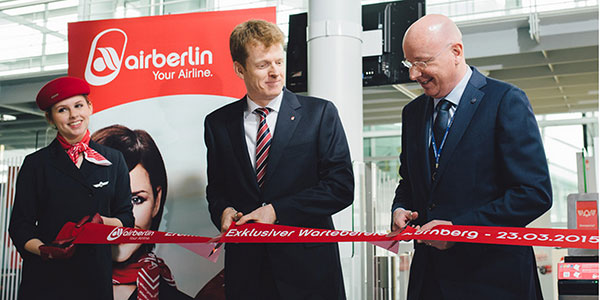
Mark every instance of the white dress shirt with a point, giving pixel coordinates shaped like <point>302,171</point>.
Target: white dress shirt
<point>252,119</point>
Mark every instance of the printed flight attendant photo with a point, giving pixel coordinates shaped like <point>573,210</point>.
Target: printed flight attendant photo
<point>136,266</point>
<point>76,180</point>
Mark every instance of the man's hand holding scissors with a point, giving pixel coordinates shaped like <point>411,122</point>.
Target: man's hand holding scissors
<point>229,216</point>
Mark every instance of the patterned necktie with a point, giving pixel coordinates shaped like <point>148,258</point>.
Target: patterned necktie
<point>83,146</point>
<point>439,130</point>
<point>263,143</point>
<point>441,121</point>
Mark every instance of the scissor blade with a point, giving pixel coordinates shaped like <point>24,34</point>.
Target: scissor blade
<point>215,249</point>
<point>399,230</point>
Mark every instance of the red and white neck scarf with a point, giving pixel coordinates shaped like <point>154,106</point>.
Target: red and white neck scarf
<point>89,154</point>
<point>146,273</point>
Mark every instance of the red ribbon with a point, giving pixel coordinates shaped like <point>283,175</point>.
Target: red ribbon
<point>566,238</point>
<point>267,233</point>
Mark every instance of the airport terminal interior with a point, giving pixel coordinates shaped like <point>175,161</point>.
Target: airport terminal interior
<point>548,48</point>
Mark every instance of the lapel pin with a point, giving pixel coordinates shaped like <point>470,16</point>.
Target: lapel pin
<point>292,118</point>
<point>473,100</point>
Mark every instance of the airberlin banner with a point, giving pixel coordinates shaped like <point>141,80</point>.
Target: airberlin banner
<point>153,81</point>
<point>138,58</point>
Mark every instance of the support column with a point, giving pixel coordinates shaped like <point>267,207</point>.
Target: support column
<point>335,73</point>
<point>335,62</point>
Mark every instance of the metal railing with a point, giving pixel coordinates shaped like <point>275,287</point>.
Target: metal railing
<point>386,272</point>
<point>464,10</point>
<point>11,262</point>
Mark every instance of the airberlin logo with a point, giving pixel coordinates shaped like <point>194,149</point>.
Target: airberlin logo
<point>115,234</point>
<point>107,56</point>
<point>131,233</point>
<point>96,72</point>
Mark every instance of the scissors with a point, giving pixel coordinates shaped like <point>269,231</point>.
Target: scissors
<point>397,232</point>
<point>219,244</point>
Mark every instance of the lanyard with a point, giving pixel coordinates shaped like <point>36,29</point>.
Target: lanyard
<point>437,152</point>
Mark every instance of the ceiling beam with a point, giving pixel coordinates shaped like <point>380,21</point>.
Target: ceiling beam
<point>565,80</point>
<point>536,58</point>
<point>382,120</point>
<point>544,71</point>
<point>22,109</point>
<point>14,5</point>
<point>23,21</point>
<point>388,105</point>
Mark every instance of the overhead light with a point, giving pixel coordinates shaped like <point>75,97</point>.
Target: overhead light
<point>56,67</point>
<point>593,92</point>
<point>5,118</point>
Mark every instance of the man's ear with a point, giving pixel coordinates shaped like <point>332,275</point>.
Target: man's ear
<point>239,69</point>
<point>458,52</point>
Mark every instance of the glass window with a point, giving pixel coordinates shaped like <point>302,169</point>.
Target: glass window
<point>561,144</point>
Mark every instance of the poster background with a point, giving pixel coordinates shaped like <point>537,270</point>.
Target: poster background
<point>172,112</point>
<point>177,125</point>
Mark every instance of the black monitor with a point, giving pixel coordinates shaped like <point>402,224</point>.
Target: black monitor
<point>296,61</point>
<point>383,25</point>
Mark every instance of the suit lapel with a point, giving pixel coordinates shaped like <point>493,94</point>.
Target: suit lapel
<point>61,161</point>
<point>469,102</point>
<point>287,120</point>
<point>235,128</point>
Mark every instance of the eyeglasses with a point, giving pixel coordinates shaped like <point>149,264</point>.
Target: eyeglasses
<point>422,65</point>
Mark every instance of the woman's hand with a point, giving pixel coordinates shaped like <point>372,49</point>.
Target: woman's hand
<point>57,251</point>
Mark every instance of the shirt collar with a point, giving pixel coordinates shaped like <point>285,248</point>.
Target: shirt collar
<point>274,104</point>
<point>458,90</point>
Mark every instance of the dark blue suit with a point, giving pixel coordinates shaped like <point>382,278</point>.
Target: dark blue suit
<point>309,177</point>
<point>492,172</point>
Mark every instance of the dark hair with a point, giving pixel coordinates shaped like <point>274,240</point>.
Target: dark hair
<point>138,147</point>
<point>253,32</point>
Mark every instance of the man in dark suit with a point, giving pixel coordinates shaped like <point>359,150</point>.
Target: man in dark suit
<point>471,155</point>
<point>276,157</point>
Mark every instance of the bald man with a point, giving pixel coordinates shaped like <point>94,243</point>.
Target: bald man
<point>471,155</point>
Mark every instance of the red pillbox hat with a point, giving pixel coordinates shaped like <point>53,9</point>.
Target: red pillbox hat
<point>60,89</point>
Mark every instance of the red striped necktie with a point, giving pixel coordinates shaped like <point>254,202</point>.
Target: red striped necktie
<point>263,143</point>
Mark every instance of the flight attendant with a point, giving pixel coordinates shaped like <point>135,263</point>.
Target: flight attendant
<point>71,180</point>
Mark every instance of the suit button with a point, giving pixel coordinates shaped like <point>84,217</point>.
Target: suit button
<point>90,195</point>
<point>432,206</point>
